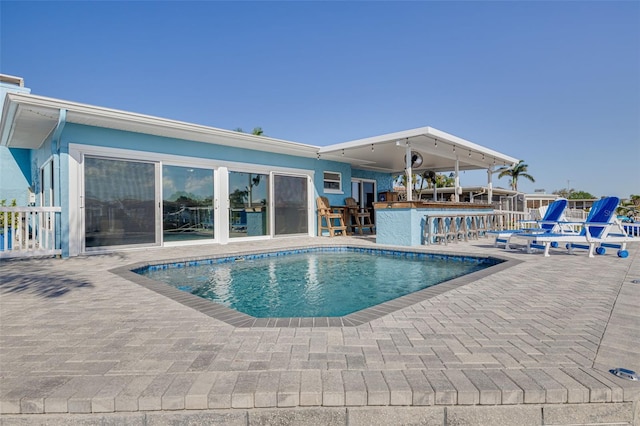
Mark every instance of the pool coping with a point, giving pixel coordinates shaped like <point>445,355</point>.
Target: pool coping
<point>242,320</point>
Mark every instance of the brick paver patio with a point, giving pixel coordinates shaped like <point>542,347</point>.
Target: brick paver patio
<point>529,344</point>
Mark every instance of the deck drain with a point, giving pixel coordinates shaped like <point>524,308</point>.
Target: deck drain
<point>624,373</point>
<point>635,281</point>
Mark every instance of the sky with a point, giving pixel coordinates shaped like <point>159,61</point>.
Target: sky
<point>556,84</point>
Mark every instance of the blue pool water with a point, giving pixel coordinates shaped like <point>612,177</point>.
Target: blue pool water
<point>313,283</point>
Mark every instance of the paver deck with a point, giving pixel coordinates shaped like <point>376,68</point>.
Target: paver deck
<point>529,344</point>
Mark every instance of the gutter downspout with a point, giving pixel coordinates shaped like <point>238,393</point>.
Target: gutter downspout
<point>57,190</point>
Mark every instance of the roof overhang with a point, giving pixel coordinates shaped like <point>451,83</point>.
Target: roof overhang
<point>439,150</point>
<point>28,120</point>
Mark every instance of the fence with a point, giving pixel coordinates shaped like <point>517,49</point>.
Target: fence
<point>29,231</point>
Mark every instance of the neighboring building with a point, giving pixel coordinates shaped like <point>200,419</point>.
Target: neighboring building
<point>120,179</point>
<point>540,199</point>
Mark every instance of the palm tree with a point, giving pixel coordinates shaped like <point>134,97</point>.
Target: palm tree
<point>519,170</point>
<point>257,131</point>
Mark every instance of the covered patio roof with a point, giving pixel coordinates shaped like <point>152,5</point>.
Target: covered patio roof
<point>439,151</point>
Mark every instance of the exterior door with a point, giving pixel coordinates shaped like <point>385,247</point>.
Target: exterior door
<point>364,192</point>
<point>187,203</point>
<point>120,205</point>
<point>291,204</point>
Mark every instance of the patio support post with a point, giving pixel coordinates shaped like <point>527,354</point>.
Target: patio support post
<point>409,171</point>
<point>489,185</point>
<point>457,181</point>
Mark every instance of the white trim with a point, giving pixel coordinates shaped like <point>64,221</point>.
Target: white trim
<point>91,115</point>
<point>76,202</point>
<point>221,204</point>
<point>340,190</point>
<point>310,205</point>
<point>428,132</point>
<point>360,181</point>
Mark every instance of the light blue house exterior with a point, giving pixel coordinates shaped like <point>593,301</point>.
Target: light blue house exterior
<point>100,179</point>
<point>128,180</point>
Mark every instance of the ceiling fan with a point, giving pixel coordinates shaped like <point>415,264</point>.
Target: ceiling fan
<point>416,159</point>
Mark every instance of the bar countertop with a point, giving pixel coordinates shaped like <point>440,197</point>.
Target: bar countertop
<point>443,205</point>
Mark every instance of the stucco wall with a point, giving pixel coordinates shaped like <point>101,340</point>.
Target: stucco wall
<point>15,175</point>
<point>86,135</point>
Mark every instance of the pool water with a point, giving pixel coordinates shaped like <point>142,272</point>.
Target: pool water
<point>313,283</point>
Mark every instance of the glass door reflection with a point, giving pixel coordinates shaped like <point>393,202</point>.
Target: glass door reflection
<point>187,203</point>
<point>248,204</point>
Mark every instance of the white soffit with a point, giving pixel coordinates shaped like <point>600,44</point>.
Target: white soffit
<point>438,149</point>
<point>28,120</point>
<point>34,113</point>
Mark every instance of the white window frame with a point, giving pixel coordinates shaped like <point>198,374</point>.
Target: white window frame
<point>325,180</point>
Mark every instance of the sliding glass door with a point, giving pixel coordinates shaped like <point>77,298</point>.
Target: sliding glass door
<point>128,202</point>
<point>291,206</point>
<point>364,192</point>
<point>187,203</point>
<point>248,204</point>
<point>119,202</point>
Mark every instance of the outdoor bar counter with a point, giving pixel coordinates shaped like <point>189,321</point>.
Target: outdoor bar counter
<point>403,223</point>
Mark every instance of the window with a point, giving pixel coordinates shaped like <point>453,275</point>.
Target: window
<point>332,182</point>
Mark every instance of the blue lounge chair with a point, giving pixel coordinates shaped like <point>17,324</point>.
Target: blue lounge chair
<point>549,223</point>
<point>599,231</point>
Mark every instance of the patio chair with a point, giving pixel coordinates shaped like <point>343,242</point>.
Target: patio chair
<point>360,215</point>
<point>329,218</point>
<point>551,221</point>
<point>599,231</point>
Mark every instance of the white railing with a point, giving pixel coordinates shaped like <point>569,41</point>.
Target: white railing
<point>631,228</point>
<point>575,215</point>
<point>29,231</point>
<point>508,219</point>
<point>453,227</point>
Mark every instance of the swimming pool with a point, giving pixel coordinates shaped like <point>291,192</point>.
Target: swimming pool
<point>314,282</point>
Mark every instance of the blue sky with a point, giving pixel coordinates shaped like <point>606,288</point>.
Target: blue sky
<point>556,84</point>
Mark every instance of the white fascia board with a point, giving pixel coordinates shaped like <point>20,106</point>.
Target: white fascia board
<point>6,121</point>
<point>111,118</point>
<point>429,132</point>
<point>459,142</point>
<point>375,140</point>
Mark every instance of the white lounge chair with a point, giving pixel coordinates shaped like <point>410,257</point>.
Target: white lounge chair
<point>599,231</point>
<point>550,222</point>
